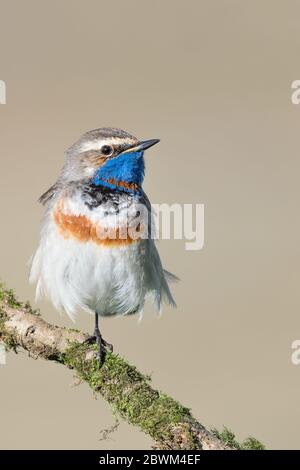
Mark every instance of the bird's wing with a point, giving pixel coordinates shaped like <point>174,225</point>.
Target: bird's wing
<point>49,195</point>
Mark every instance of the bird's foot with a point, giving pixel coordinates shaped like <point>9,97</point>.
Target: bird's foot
<point>90,340</point>
<point>103,345</point>
<point>107,345</point>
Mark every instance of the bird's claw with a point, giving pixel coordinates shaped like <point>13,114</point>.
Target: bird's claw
<point>107,345</point>
<point>90,340</point>
<point>102,345</point>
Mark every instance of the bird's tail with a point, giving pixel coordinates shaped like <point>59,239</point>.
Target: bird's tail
<point>166,291</point>
<point>170,276</point>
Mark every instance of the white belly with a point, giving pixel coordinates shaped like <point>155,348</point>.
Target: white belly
<point>96,278</point>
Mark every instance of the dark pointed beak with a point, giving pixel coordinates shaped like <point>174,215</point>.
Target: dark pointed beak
<point>143,145</point>
<point>146,144</point>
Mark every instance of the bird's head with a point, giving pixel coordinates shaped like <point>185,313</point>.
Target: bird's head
<point>108,157</point>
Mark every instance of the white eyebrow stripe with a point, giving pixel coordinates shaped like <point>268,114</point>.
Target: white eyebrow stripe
<point>97,144</point>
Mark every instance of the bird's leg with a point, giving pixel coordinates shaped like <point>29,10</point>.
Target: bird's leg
<point>97,334</point>
<point>101,343</point>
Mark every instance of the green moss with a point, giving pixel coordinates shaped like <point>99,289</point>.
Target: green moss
<point>228,437</point>
<point>6,338</point>
<point>9,297</point>
<point>252,444</point>
<point>125,388</point>
<point>128,391</point>
<point>33,311</point>
<point>161,413</point>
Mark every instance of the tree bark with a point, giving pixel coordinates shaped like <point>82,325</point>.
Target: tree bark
<point>129,392</point>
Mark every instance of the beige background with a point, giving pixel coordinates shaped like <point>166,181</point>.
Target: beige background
<point>212,79</point>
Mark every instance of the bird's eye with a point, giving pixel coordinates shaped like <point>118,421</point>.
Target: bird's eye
<point>107,150</point>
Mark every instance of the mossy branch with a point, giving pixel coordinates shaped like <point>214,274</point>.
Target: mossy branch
<point>129,392</point>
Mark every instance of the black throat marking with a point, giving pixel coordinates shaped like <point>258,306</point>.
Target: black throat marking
<point>113,202</point>
<point>95,196</point>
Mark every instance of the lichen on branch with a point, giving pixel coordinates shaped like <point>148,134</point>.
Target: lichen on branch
<point>130,394</point>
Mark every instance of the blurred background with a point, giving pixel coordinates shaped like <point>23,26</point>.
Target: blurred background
<point>212,80</point>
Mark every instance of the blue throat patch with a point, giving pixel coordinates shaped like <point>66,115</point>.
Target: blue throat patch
<point>128,168</point>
